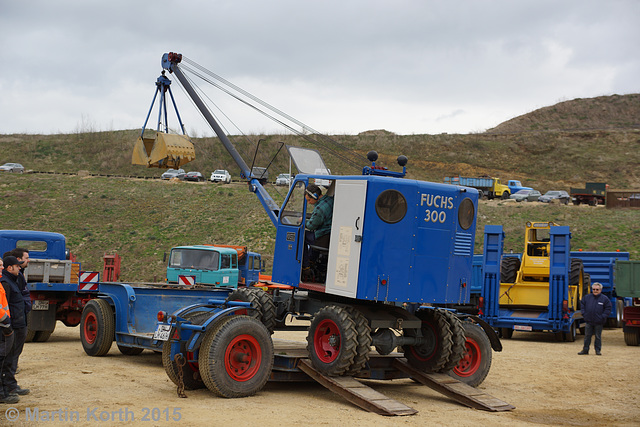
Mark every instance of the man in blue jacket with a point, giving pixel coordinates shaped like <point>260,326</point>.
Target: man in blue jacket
<point>595,311</point>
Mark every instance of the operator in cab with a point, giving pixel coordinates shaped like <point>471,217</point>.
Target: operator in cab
<point>318,226</point>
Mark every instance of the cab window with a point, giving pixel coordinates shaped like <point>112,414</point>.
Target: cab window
<point>292,212</point>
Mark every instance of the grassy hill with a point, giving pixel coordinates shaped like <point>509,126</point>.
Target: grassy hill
<point>141,219</point>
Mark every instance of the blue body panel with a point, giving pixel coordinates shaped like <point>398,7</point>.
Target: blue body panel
<point>136,308</point>
<point>426,257</point>
<point>55,243</point>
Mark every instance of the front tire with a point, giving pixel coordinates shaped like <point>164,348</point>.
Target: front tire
<point>474,366</point>
<point>332,340</point>
<point>236,357</point>
<point>509,269</point>
<point>97,327</point>
<point>632,338</point>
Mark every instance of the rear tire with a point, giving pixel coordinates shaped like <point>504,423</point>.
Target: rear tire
<point>130,351</point>
<point>41,336</point>
<point>475,364</point>
<point>632,337</point>
<point>571,335</point>
<point>458,349</point>
<point>236,357</point>
<point>97,327</point>
<point>619,310</point>
<point>433,354</point>
<point>507,333</point>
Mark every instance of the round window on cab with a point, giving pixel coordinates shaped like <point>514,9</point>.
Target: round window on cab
<point>466,213</point>
<point>391,206</point>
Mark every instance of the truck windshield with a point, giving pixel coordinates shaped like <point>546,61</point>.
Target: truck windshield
<point>194,258</point>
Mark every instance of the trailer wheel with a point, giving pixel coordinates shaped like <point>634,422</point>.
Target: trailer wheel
<point>332,340</point>
<point>130,351</point>
<point>506,333</point>
<point>474,366</point>
<point>30,335</point>
<point>632,337</point>
<point>435,351</point>
<point>619,310</point>
<point>236,357</point>
<point>458,349</point>
<point>41,336</point>
<point>97,327</point>
<point>509,269</point>
<point>190,371</point>
<point>363,349</point>
<point>571,335</point>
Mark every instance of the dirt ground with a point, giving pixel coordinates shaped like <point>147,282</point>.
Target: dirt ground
<point>546,381</point>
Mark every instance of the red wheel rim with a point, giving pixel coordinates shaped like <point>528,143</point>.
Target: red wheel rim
<point>90,328</point>
<point>326,341</point>
<point>470,362</point>
<point>243,357</point>
<point>191,361</point>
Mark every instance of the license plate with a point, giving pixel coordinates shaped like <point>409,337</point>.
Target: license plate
<point>40,305</point>
<point>162,333</point>
<point>522,328</point>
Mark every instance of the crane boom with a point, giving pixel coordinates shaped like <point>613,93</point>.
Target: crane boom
<point>170,62</point>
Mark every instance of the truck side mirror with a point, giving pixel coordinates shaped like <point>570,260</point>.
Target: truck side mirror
<point>164,257</point>
<point>263,266</point>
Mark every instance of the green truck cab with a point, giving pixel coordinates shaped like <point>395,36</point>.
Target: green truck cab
<point>219,265</point>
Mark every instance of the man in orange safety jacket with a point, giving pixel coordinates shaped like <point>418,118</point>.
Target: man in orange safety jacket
<point>6,341</point>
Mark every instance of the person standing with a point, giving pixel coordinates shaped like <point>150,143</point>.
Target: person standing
<point>595,311</point>
<point>10,279</point>
<point>22,255</point>
<point>6,343</point>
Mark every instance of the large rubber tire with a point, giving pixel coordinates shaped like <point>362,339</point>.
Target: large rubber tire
<point>41,336</point>
<point>236,357</point>
<point>505,195</point>
<point>261,301</point>
<point>458,348</point>
<point>190,371</point>
<point>332,340</point>
<point>506,333</point>
<point>509,269</point>
<point>363,349</point>
<point>632,337</point>
<point>130,351</point>
<point>433,354</point>
<point>571,335</point>
<point>619,310</point>
<point>476,362</point>
<point>97,327</point>
<point>30,335</point>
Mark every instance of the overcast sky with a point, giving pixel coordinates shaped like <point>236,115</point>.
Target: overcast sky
<point>407,66</point>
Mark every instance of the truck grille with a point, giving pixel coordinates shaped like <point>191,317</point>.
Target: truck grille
<point>463,245</point>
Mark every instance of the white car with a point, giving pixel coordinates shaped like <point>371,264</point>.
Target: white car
<point>12,167</point>
<point>283,179</point>
<point>220,175</point>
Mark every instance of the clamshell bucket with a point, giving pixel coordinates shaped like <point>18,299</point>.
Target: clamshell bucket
<point>164,151</point>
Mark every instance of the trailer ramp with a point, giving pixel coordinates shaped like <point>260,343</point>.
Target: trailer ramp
<point>357,393</point>
<point>457,390</point>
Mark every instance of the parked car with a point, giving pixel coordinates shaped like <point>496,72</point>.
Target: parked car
<point>525,196</point>
<point>220,175</point>
<point>194,176</point>
<point>174,173</point>
<point>12,167</point>
<point>561,196</point>
<point>283,179</point>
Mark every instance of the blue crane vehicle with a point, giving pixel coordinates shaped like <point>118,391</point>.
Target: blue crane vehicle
<point>400,253</point>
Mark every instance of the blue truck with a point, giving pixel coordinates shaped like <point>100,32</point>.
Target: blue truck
<point>400,252</point>
<point>515,186</point>
<point>56,284</point>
